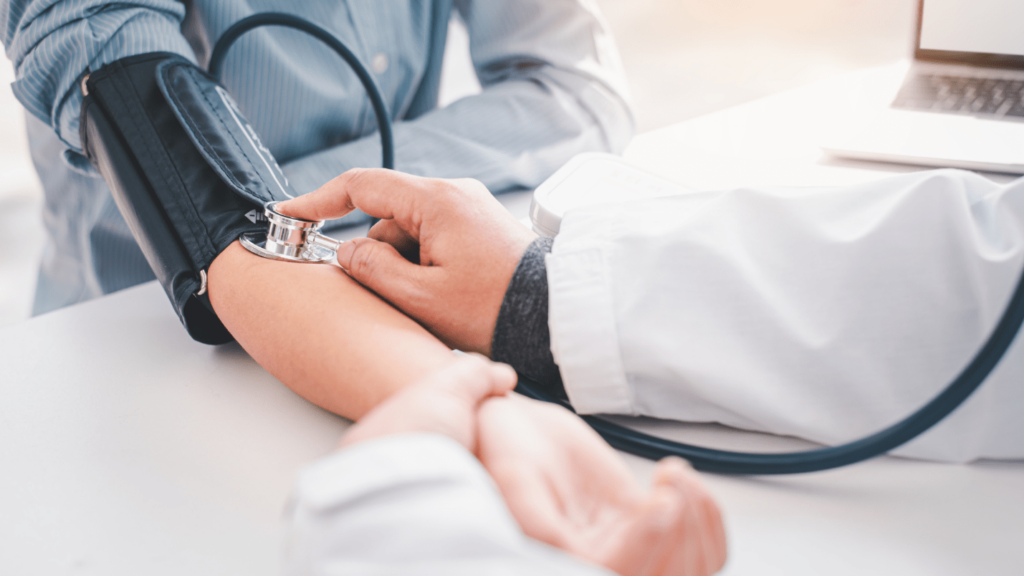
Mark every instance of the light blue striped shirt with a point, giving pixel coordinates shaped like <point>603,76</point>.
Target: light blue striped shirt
<point>552,87</point>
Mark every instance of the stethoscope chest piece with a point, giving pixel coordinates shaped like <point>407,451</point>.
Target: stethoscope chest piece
<point>291,239</point>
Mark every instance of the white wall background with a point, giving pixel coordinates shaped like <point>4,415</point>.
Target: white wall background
<point>683,58</point>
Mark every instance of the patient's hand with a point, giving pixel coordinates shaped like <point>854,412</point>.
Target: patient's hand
<point>561,482</point>
<point>568,488</point>
<point>467,243</point>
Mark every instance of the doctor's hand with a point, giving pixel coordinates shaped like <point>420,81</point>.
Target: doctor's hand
<point>443,252</point>
<point>566,487</point>
<point>445,402</point>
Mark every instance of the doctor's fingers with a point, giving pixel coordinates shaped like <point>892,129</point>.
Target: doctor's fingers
<point>409,287</point>
<point>336,198</point>
<point>390,232</point>
<point>473,379</point>
<point>381,268</point>
<point>408,200</point>
<point>326,202</point>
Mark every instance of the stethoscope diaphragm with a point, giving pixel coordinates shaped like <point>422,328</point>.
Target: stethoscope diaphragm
<point>291,239</point>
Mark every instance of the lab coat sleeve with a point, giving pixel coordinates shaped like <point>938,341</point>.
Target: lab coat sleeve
<point>822,314</point>
<point>553,87</point>
<point>410,505</point>
<point>53,42</point>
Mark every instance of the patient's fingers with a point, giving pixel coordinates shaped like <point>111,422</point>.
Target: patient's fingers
<point>700,536</point>
<point>706,517</point>
<point>646,543</point>
<point>533,505</point>
<point>517,452</point>
<point>671,533</point>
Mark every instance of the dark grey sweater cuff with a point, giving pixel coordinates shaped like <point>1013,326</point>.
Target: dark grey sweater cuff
<point>521,335</point>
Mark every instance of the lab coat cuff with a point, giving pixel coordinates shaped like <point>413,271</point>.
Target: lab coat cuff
<point>584,338</point>
<point>383,464</point>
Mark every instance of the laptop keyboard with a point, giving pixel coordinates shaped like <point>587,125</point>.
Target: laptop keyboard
<point>959,95</point>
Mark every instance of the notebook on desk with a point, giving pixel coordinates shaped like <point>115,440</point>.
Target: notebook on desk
<point>962,102</point>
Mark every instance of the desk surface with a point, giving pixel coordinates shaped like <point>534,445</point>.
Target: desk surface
<point>126,448</point>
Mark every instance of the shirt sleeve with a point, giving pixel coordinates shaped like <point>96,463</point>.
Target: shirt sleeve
<point>826,315</point>
<point>521,336</point>
<point>52,44</point>
<point>552,87</point>
<point>408,505</point>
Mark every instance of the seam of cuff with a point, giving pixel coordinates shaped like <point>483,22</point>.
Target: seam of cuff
<point>584,337</point>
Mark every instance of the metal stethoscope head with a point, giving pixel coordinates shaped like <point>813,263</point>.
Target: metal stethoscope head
<point>291,239</point>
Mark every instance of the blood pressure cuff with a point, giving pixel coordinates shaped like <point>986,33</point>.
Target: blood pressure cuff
<point>186,170</point>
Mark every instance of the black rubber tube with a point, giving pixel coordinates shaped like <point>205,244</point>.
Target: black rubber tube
<point>244,25</point>
<point>726,462</point>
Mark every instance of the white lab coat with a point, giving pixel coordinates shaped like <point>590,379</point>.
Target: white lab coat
<point>411,505</point>
<point>824,314</point>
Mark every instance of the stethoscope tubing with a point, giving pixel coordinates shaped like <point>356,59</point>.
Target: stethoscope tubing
<point>380,109</point>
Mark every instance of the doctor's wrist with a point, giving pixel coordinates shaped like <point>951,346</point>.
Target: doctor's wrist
<point>521,336</point>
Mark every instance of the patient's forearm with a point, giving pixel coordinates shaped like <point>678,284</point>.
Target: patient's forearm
<point>318,331</point>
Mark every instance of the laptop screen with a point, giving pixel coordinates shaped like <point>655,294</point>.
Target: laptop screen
<point>986,32</point>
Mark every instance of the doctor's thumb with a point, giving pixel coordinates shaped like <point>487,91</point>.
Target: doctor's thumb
<point>379,267</point>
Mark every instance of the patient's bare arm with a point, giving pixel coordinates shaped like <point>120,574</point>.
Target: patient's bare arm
<point>318,331</point>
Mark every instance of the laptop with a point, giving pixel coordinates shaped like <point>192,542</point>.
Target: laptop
<point>961,104</point>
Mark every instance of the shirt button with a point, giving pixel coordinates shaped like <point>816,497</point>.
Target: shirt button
<point>380,63</point>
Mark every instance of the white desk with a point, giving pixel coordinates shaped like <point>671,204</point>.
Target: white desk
<point>126,448</point>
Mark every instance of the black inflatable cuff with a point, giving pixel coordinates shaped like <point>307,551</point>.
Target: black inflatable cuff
<point>186,170</point>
